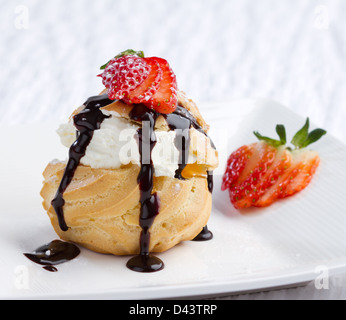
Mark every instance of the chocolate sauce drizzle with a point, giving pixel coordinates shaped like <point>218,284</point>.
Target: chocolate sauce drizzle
<point>53,253</point>
<point>206,234</point>
<point>150,204</point>
<point>89,120</point>
<point>181,124</point>
<point>86,122</point>
<point>210,180</point>
<point>183,120</point>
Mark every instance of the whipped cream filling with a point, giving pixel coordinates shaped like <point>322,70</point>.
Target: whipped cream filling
<point>115,144</point>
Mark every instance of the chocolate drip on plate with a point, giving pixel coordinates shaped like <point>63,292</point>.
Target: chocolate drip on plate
<point>206,234</point>
<point>86,122</point>
<point>53,253</point>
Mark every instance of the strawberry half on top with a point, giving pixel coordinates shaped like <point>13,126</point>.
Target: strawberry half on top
<point>133,78</point>
<point>263,172</point>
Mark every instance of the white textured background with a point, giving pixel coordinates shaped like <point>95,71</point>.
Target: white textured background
<point>292,51</point>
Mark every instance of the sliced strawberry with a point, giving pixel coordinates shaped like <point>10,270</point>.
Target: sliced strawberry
<point>123,75</point>
<point>247,190</point>
<point>235,166</point>
<point>144,92</point>
<point>304,166</point>
<point>259,174</point>
<point>165,98</point>
<point>137,80</point>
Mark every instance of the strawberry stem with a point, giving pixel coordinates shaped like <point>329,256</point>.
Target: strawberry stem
<point>301,139</point>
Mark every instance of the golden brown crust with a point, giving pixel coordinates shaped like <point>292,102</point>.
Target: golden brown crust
<point>102,208</point>
<point>190,105</point>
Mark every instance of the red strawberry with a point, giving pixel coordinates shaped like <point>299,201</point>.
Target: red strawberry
<point>165,98</point>
<point>259,174</point>
<point>134,79</point>
<point>144,92</point>
<point>124,74</point>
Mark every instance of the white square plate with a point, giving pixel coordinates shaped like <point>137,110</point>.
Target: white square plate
<point>287,243</point>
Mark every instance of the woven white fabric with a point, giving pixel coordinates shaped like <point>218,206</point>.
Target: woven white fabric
<point>292,51</point>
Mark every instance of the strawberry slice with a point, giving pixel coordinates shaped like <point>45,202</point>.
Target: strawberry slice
<point>165,98</point>
<point>293,178</point>
<point>124,74</point>
<point>144,92</point>
<point>260,173</point>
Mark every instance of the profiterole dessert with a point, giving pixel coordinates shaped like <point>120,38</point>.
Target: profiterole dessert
<point>138,178</point>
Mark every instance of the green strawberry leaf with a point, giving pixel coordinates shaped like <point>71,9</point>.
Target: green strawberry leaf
<point>130,51</point>
<point>314,136</point>
<point>125,53</point>
<point>281,131</point>
<point>301,136</point>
